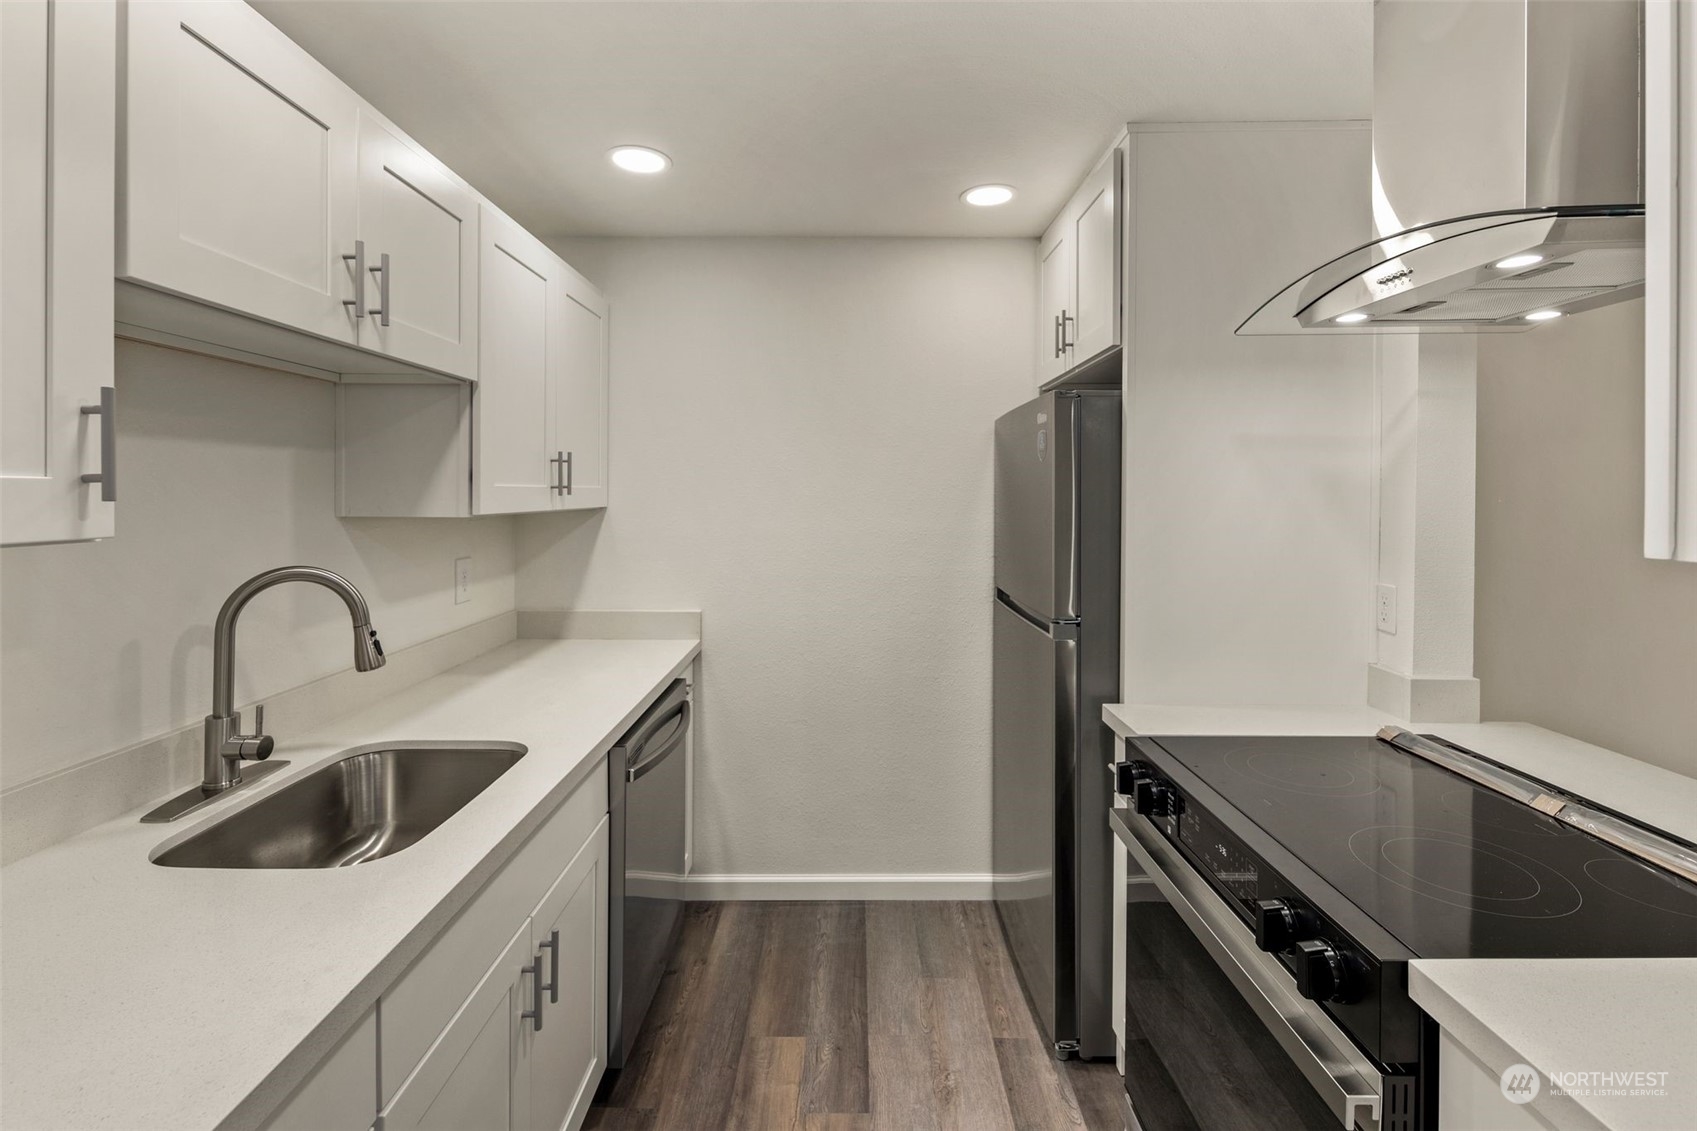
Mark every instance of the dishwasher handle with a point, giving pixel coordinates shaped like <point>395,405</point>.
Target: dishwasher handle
<point>672,740</point>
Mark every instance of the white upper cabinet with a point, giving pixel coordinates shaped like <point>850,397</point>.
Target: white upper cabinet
<point>239,182</point>
<point>1094,220</point>
<point>1080,273</point>
<point>57,70</point>
<point>579,397</point>
<point>417,243</point>
<point>522,359</point>
<point>530,436</point>
<point>1670,284</point>
<point>540,410</point>
<point>1055,253</point>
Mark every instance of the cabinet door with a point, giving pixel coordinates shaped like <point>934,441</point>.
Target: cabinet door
<point>1095,231</point>
<point>1054,305</point>
<point>341,1093</point>
<point>579,397</point>
<point>57,73</point>
<point>240,170</point>
<point>422,307</point>
<point>1670,282</point>
<point>519,355</point>
<point>471,1074</point>
<point>569,1052</point>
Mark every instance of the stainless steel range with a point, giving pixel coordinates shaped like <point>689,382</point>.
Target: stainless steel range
<point>1285,884</point>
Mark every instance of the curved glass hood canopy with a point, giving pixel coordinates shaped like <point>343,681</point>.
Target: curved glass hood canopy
<point>1479,274</point>
<point>1507,173</point>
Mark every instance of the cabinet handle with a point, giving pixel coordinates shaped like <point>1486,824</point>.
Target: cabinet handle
<point>1057,335</point>
<point>1065,318</point>
<point>553,987</point>
<point>568,487</point>
<point>535,1010</point>
<point>557,476</point>
<point>382,273</point>
<point>358,260</point>
<point>108,477</point>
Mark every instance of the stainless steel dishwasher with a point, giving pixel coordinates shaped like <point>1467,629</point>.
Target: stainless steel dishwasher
<point>646,798</point>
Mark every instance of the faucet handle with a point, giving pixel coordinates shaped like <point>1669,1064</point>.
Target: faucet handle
<point>259,719</point>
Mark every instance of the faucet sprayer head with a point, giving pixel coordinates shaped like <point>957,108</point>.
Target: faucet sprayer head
<point>368,650</point>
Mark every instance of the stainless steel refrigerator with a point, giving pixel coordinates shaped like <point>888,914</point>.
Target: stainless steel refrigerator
<point>1056,662</point>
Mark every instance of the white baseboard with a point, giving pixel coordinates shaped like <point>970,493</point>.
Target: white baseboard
<point>968,886</point>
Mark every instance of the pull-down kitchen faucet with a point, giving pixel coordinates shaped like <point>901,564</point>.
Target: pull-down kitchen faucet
<point>225,746</point>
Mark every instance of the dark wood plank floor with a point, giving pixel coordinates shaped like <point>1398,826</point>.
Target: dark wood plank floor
<point>849,1017</point>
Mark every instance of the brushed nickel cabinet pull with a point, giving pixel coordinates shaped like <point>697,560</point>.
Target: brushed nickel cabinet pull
<point>553,987</point>
<point>108,476</point>
<point>382,273</point>
<point>358,260</point>
<point>534,1013</point>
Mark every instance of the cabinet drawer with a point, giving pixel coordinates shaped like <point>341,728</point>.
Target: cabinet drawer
<point>341,1093</point>
<point>426,997</point>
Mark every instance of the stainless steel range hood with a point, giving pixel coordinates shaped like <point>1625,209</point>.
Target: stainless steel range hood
<point>1507,172</point>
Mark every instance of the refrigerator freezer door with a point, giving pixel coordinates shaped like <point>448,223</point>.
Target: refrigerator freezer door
<point>1035,674</point>
<point>1036,507</point>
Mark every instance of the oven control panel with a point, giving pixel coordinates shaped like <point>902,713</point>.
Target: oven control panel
<point>1324,962</point>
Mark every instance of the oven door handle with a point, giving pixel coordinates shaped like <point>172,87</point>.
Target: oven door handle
<point>1329,1060</point>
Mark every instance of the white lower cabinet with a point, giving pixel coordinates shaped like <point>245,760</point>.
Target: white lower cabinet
<point>569,1051</point>
<point>340,1092</point>
<point>1471,1096</point>
<point>469,1077</point>
<point>525,1048</point>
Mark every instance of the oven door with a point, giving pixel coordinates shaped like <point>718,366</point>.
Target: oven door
<point>1216,1039</point>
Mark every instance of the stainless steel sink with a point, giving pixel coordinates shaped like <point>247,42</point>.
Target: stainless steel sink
<point>370,803</point>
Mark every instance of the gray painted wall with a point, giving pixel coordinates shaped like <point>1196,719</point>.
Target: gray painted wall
<point>1576,630</point>
<point>801,449</point>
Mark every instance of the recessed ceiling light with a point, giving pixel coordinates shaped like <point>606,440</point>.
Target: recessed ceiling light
<point>1350,318</point>
<point>988,196</point>
<point>1543,315</point>
<point>1514,261</point>
<point>640,159</point>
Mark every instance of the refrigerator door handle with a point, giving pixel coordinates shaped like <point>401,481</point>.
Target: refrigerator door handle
<point>1057,630</point>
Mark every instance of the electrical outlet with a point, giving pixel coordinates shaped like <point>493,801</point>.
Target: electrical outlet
<point>1384,609</point>
<point>462,580</point>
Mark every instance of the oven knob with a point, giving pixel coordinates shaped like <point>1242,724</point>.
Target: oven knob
<point>1321,974</point>
<point>1275,925</point>
<point>1127,775</point>
<point>1151,798</point>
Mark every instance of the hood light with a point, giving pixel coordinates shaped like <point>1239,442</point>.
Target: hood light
<point>639,159</point>
<point>988,196</point>
<point>1514,261</point>
<point>1543,315</point>
<point>1350,319</point>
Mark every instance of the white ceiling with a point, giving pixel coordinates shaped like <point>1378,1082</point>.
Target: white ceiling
<point>845,118</point>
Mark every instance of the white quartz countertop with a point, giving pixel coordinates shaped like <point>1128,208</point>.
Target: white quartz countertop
<point>1554,1014</point>
<point>141,997</point>
<point>1577,1015</point>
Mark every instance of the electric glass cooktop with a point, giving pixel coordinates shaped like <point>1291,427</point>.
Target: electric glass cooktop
<point>1450,868</point>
